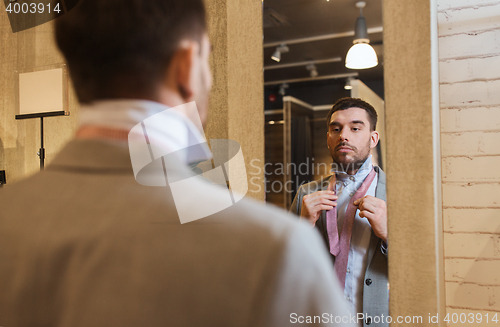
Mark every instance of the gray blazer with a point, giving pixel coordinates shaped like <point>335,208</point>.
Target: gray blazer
<point>83,244</point>
<point>376,287</point>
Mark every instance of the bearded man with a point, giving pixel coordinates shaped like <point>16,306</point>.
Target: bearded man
<point>349,209</point>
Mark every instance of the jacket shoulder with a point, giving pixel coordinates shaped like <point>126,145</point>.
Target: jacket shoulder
<point>381,184</point>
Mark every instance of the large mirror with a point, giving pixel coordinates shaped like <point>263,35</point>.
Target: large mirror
<point>306,46</point>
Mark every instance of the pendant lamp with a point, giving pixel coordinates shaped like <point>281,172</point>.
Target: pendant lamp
<point>361,55</point>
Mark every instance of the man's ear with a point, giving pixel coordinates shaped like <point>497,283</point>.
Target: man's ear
<point>374,139</point>
<point>182,70</point>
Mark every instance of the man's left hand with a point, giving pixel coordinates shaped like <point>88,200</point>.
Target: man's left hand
<point>375,210</point>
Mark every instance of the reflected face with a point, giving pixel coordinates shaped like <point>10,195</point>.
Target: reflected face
<point>350,139</point>
<point>204,79</point>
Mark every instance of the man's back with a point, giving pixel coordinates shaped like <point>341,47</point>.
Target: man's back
<point>83,244</point>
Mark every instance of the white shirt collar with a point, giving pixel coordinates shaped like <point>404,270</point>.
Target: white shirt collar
<point>361,174</point>
<point>169,128</point>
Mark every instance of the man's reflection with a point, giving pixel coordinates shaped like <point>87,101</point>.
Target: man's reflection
<point>349,209</point>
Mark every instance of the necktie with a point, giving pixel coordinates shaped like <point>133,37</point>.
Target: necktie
<point>340,247</point>
<point>331,224</point>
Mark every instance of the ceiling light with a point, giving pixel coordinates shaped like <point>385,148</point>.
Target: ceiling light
<point>283,87</point>
<point>361,55</point>
<point>276,56</point>
<point>279,50</point>
<point>312,70</point>
<point>348,83</point>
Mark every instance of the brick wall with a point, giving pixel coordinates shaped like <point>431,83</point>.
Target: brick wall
<point>469,67</point>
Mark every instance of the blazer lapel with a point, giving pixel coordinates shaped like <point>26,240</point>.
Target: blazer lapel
<point>323,187</point>
<point>380,192</point>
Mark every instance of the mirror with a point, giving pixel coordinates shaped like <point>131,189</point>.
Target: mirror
<point>305,48</point>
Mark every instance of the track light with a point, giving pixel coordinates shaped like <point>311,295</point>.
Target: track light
<point>283,88</point>
<point>361,55</point>
<point>276,56</point>
<point>348,83</point>
<point>312,70</point>
<point>279,50</point>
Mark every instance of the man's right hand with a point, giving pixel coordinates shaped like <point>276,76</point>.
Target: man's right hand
<point>313,203</point>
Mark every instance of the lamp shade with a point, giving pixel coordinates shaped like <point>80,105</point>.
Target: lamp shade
<point>276,56</point>
<point>348,84</point>
<point>361,56</point>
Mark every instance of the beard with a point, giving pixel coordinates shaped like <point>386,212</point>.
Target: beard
<point>351,161</point>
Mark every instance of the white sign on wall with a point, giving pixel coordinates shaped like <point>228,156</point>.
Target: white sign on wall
<point>42,93</point>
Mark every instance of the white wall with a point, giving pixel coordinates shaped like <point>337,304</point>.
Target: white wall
<point>469,55</point>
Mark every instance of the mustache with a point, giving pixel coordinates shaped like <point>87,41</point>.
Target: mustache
<point>345,144</point>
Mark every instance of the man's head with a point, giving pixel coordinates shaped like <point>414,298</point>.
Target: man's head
<point>351,133</point>
<point>139,49</point>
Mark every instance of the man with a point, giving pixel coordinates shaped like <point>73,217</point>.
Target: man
<point>83,244</point>
<point>349,209</point>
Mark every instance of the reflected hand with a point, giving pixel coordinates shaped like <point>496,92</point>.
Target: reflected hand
<point>375,210</point>
<point>313,203</point>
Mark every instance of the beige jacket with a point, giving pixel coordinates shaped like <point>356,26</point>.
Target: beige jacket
<point>83,244</point>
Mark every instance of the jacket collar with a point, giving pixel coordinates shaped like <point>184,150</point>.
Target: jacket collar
<point>93,155</point>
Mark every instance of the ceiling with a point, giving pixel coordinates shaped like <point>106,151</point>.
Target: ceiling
<point>293,19</point>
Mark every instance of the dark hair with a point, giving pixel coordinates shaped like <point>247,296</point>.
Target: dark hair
<point>116,46</point>
<point>346,103</point>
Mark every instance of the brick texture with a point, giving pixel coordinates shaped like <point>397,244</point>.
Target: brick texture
<point>459,220</point>
<point>482,195</point>
<point>458,21</point>
<point>462,70</point>
<point>451,5</point>
<point>473,245</point>
<point>473,271</point>
<point>473,296</point>
<point>469,57</point>
<point>470,144</point>
<point>471,169</point>
<point>475,93</point>
<point>470,119</point>
<point>473,44</point>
